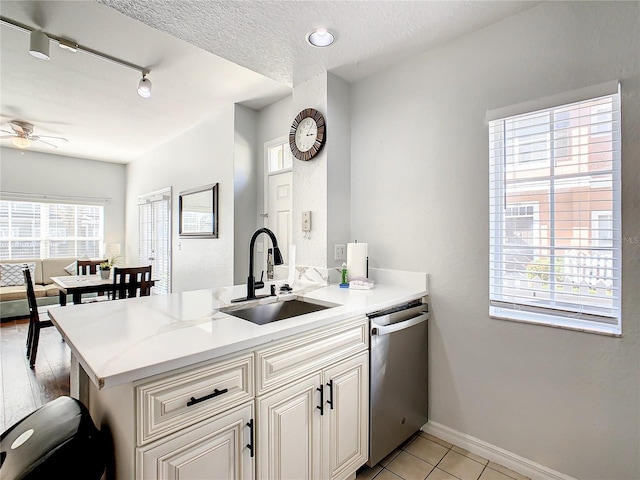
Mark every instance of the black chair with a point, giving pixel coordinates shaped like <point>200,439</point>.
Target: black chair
<point>88,267</point>
<point>35,324</point>
<point>131,282</point>
<point>58,440</point>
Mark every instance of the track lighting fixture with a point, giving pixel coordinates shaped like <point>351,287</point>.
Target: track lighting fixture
<point>39,48</point>
<point>39,45</point>
<point>144,86</point>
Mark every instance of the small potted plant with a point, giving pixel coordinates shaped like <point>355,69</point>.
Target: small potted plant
<point>105,267</point>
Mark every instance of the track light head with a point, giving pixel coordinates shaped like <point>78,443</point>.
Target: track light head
<point>39,45</point>
<point>144,86</point>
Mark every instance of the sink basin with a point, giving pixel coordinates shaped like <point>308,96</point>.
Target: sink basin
<point>272,312</point>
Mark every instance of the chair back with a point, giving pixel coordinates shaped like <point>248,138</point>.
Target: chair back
<point>88,267</point>
<point>31,294</point>
<point>131,282</point>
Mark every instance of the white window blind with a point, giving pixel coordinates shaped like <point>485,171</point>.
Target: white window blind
<point>555,246</point>
<point>154,211</point>
<point>50,230</point>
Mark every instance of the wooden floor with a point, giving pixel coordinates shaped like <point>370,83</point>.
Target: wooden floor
<point>25,389</point>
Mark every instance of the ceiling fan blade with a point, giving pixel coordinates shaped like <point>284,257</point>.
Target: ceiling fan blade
<point>38,139</point>
<point>7,131</point>
<point>18,128</point>
<point>7,136</point>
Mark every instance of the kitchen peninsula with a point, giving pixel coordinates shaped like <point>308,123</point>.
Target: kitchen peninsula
<point>181,386</point>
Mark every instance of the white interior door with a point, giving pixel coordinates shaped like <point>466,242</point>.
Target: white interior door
<point>280,207</point>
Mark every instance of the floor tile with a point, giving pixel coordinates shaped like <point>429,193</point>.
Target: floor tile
<point>426,450</point>
<point>438,474</point>
<point>368,473</point>
<point>460,466</point>
<point>410,467</point>
<point>491,474</point>
<point>472,456</point>
<point>387,475</point>
<point>507,471</point>
<point>436,440</point>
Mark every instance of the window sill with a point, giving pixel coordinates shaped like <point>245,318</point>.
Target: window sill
<point>499,313</point>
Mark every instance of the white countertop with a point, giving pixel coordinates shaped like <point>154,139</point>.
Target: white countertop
<point>127,340</point>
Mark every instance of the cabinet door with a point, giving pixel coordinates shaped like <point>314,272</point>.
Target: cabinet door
<point>289,432</point>
<point>346,419</point>
<point>215,448</point>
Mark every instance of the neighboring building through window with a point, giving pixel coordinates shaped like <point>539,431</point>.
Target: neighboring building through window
<point>555,245</point>
<point>50,230</point>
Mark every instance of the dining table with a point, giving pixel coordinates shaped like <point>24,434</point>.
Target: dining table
<point>77,285</point>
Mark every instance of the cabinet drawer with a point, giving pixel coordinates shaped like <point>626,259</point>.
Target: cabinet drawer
<point>172,402</point>
<point>293,358</point>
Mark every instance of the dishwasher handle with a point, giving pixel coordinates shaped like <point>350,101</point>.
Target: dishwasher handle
<point>395,327</point>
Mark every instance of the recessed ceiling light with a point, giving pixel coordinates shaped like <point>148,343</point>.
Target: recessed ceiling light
<point>320,38</point>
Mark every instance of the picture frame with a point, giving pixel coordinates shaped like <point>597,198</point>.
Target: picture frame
<point>198,212</point>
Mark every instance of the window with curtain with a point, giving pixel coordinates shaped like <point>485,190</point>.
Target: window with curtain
<point>50,230</point>
<point>555,237</point>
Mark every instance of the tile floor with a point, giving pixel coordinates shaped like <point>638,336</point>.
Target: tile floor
<point>425,457</point>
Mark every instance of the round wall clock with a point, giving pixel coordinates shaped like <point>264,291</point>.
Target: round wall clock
<point>307,134</point>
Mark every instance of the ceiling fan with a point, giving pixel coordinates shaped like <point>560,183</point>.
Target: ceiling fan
<point>22,135</point>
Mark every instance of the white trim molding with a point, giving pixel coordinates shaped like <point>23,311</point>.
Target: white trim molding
<point>519,464</point>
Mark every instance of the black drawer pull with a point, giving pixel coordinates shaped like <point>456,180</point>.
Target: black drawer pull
<point>215,393</point>
<point>330,401</point>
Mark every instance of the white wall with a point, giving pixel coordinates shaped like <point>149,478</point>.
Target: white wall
<point>199,156</point>
<point>310,182</point>
<point>37,173</point>
<point>564,399</point>
<point>246,174</point>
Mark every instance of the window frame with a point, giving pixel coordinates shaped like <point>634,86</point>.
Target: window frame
<point>609,322</point>
<point>45,238</point>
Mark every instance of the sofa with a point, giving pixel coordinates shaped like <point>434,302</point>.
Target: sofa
<point>13,297</point>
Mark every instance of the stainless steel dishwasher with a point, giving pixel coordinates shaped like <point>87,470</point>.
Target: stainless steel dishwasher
<point>398,377</point>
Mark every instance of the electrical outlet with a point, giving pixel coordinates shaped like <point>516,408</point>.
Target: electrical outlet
<point>338,252</point>
<point>306,221</point>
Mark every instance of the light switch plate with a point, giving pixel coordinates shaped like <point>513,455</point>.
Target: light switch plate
<point>306,221</point>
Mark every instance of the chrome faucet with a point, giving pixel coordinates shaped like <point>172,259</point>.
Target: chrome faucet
<point>251,280</point>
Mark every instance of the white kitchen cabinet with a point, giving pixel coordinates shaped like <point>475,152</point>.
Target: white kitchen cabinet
<point>346,417</point>
<point>316,427</point>
<point>220,448</point>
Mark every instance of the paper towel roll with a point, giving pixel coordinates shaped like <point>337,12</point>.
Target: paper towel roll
<point>357,257</point>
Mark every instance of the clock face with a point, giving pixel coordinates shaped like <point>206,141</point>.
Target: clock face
<point>307,134</point>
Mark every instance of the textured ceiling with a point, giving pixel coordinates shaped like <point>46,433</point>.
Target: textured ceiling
<point>203,56</point>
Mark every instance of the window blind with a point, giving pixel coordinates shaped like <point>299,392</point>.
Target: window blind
<point>155,237</point>
<point>555,236</point>
<point>50,230</point>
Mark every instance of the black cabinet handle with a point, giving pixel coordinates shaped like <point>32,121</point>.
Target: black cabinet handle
<point>330,401</point>
<point>215,393</point>
<point>250,444</point>
<point>321,406</point>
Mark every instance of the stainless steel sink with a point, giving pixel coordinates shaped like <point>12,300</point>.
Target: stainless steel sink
<point>272,312</point>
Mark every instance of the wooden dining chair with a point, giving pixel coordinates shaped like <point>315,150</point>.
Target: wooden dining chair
<point>131,282</point>
<point>35,323</point>
<point>88,267</point>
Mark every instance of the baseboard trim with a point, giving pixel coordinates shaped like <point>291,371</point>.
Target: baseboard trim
<point>519,464</point>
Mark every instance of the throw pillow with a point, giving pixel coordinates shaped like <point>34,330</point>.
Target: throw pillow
<point>72,269</point>
<point>11,273</point>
